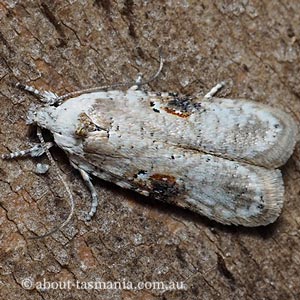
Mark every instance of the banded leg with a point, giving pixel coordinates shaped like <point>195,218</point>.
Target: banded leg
<point>214,90</point>
<point>34,151</point>
<point>85,176</point>
<point>45,96</point>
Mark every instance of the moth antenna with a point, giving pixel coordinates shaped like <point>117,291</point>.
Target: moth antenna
<point>128,83</point>
<point>161,64</point>
<point>58,173</point>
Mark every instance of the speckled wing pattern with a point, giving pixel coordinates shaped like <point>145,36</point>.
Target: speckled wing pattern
<point>217,157</point>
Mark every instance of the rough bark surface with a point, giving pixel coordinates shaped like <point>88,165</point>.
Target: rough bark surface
<point>67,45</point>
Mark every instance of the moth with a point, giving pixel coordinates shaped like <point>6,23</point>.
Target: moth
<point>217,157</point>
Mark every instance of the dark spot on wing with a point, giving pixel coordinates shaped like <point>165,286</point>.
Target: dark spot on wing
<point>180,106</point>
<point>260,206</point>
<point>163,187</point>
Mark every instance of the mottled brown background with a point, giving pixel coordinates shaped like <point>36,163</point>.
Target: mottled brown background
<point>67,45</point>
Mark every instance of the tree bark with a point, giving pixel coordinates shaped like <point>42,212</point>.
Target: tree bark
<point>64,46</point>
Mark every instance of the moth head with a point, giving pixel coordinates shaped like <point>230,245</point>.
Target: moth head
<point>40,115</point>
<point>32,114</point>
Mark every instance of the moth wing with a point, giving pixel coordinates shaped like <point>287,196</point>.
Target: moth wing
<point>225,191</point>
<point>235,129</point>
<point>229,192</point>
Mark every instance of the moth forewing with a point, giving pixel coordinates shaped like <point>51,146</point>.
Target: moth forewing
<point>229,192</point>
<point>235,129</point>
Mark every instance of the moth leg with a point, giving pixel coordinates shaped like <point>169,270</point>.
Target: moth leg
<point>45,96</point>
<point>41,168</point>
<point>138,83</point>
<point>94,194</point>
<point>214,90</point>
<point>85,176</point>
<point>34,151</point>
<point>139,80</point>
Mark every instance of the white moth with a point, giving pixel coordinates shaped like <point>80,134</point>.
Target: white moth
<point>217,157</point>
